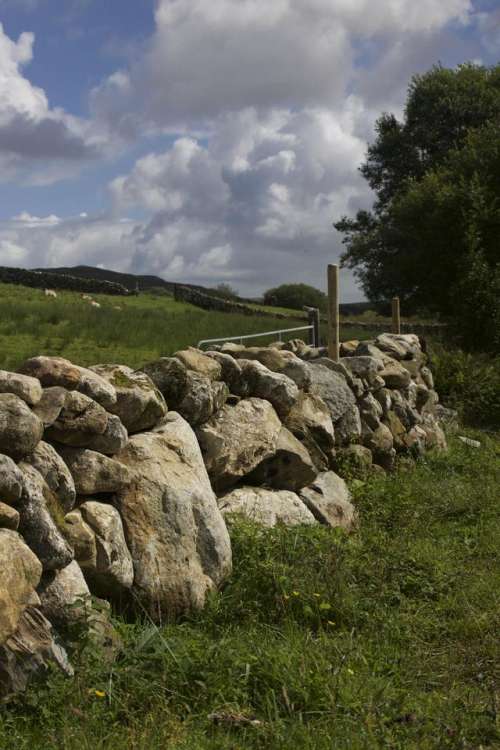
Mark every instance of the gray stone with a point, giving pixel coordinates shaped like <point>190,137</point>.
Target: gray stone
<point>194,359</point>
<point>170,377</point>
<point>399,346</point>
<point>329,501</point>
<point>81,538</point>
<point>93,472</point>
<point>395,376</point>
<point>97,388</point>
<point>20,429</point>
<point>80,421</point>
<point>290,468</point>
<point>113,439</point>
<point>20,573</point>
<point>348,427</point>
<point>51,404</point>
<point>310,421</point>
<point>11,480</point>
<point>65,598</point>
<point>366,368</point>
<point>332,389</point>
<point>274,387</point>
<point>230,373</point>
<point>203,399</point>
<point>50,465</point>
<point>370,411</point>
<point>266,507</point>
<point>52,371</point>
<point>27,388</point>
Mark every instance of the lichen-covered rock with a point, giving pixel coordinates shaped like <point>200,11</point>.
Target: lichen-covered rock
<point>237,439</point>
<point>397,429</point>
<point>355,458</point>
<point>46,460</point>
<point>65,598</point>
<point>231,373</point>
<point>395,376</point>
<point>383,396</point>
<point>41,519</point>
<point>347,348</point>
<point>20,573</point>
<point>310,421</point>
<point>195,360</point>
<point>139,404</point>
<point>364,367</point>
<point>370,411</point>
<point>9,517</point>
<point>52,371</point>
<point>274,387</point>
<point>81,538</point>
<point>381,444</point>
<point>329,500</point>
<point>97,388</point>
<point>113,439</point>
<point>348,427</point>
<point>278,360</point>
<point>203,398</point>
<point>11,480</point>
<point>332,389</point>
<point>399,346</point>
<point>50,405</point>
<point>113,570</point>
<point>20,429</point>
<point>289,468</point>
<point>79,422</point>
<point>24,386</point>
<point>93,472</point>
<point>267,507</point>
<point>170,376</point>
<point>174,530</point>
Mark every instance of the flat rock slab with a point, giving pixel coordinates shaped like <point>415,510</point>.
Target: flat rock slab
<point>267,507</point>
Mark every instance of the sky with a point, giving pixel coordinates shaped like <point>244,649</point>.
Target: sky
<point>206,141</point>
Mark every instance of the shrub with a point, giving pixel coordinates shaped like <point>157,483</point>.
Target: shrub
<point>295,296</point>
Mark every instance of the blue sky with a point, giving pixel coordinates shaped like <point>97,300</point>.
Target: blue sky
<point>205,140</point>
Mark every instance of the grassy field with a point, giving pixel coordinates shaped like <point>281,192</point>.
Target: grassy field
<point>145,328</point>
<point>385,639</point>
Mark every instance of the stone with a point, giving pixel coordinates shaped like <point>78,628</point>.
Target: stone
<point>52,371</point>
<point>23,386</point>
<point>332,389</point>
<point>51,404</point>
<point>435,437</point>
<point>431,403</point>
<point>347,348</point>
<point>368,349</point>
<point>174,530</point>
<point>400,406</point>
<point>170,377</point>
<point>230,373</point>
<point>29,652</point>
<point>113,439</point>
<point>348,427</point>
<point>395,376</point>
<point>298,347</point>
<point>310,421</point>
<point>41,520</point>
<point>194,359</point>
<point>65,599</point>
<point>237,439</point>
<point>9,517</point>
<point>280,361</point>
<point>370,411</point>
<point>114,570</point>
<point>399,346</point>
<point>82,539</point>
<point>381,442</point>
<point>397,429</point>
<point>448,418</point>
<point>337,367</point>
<point>139,403</point>
<point>329,500</point>
<point>427,377</point>
<point>267,507</point>
<point>17,581</point>
<point>11,480</point>
<point>20,429</point>
<point>203,399</point>
<point>366,368</point>
<point>80,421</point>
<point>93,472</point>
<point>97,388</point>
<point>383,396</point>
<point>355,458</point>
<point>56,474</point>
<point>274,387</point>
<point>289,468</point>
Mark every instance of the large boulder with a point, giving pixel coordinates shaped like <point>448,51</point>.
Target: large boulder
<point>27,388</point>
<point>310,421</point>
<point>266,507</point>
<point>329,500</point>
<point>20,429</point>
<point>20,573</point>
<point>41,521</point>
<point>113,570</point>
<point>79,422</point>
<point>194,359</point>
<point>237,439</point>
<point>50,465</point>
<point>30,652</point>
<point>289,468</point>
<point>274,387</point>
<point>50,405</point>
<point>52,371</point>
<point>94,473</point>
<point>11,480</point>
<point>174,530</point>
<point>332,389</point>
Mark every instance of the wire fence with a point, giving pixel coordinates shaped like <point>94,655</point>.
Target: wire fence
<point>241,339</point>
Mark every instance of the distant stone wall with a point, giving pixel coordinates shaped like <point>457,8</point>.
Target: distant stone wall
<point>47,280</point>
<point>208,302</point>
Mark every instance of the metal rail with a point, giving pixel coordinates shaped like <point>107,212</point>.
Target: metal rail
<point>254,335</point>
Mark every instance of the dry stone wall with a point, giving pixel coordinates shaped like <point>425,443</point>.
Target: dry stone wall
<point>117,483</point>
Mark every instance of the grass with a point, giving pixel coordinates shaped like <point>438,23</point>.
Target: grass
<point>146,327</point>
<point>384,639</point>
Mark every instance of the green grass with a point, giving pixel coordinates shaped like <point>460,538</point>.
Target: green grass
<point>147,327</point>
<point>384,639</point>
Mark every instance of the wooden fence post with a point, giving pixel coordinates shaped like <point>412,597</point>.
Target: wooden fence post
<point>396,318</point>
<point>333,312</point>
<point>313,319</point>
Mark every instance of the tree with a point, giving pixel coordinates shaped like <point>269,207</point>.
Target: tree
<point>295,296</point>
<point>436,178</point>
<point>225,291</point>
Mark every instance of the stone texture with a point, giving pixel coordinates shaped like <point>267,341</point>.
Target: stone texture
<point>329,501</point>
<point>81,538</point>
<point>50,405</point>
<point>20,573</point>
<point>139,404</point>
<point>65,598</point>
<point>79,422</point>
<point>348,428</point>
<point>113,570</point>
<point>381,442</point>
<point>194,359</point>
<point>230,373</point>
<point>11,480</point>
<point>94,473</point>
<point>278,360</point>
<point>267,507</point>
<point>397,429</point>
<point>237,439</point>
<point>174,530</point>
<point>9,517</point>
<point>20,429</point>
<point>170,377</point>
<point>50,465</point>
<point>310,421</point>
<point>395,376</point>
<point>364,367</point>
<point>113,439</point>
<point>41,520</point>
<point>370,411</point>
<point>27,388</point>
<point>332,389</point>
<point>97,388</point>
<point>399,346</point>
<point>356,458</point>
<point>289,468</point>
<point>203,399</point>
<point>52,371</point>
<point>274,387</point>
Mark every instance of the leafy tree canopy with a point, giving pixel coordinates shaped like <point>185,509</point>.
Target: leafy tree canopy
<point>434,229</point>
<point>295,296</point>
